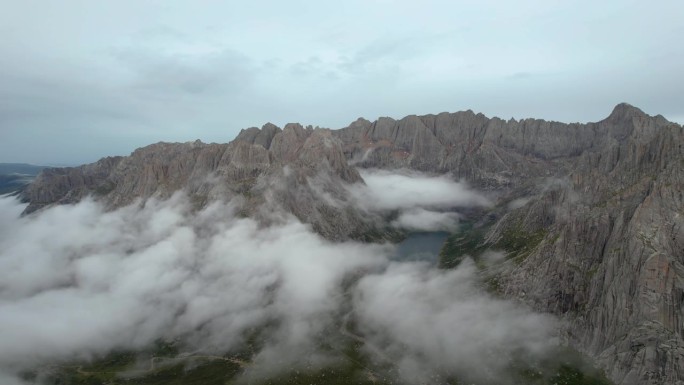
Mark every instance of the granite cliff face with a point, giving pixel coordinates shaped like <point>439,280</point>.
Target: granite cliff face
<point>297,170</point>
<point>612,257</point>
<point>492,152</point>
<point>591,215</point>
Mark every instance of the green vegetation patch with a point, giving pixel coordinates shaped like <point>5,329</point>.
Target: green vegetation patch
<point>519,243</point>
<point>563,366</point>
<point>468,240</point>
<point>213,372</point>
<point>104,188</point>
<point>111,363</point>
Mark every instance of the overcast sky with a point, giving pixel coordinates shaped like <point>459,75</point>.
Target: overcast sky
<point>83,79</point>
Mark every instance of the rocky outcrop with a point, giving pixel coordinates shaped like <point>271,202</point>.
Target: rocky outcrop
<point>492,153</point>
<point>69,185</point>
<point>600,239</point>
<point>262,137</point>
<point>612,259</point>
<point>591,215</point>
<point>295,170</point>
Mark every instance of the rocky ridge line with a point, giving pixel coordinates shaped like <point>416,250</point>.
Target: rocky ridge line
<point>599,235</point>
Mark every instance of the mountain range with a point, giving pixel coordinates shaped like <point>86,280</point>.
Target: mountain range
<point>591,216</point>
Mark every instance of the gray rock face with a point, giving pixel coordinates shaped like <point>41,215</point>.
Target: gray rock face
<point>612,258</point>
<point>492,153</point>
<point>598,239</point>
<point>292,169</point>
<point>262,137</point>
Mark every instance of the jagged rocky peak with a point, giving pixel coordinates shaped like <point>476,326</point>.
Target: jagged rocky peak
<point>361,123</point>
<point>262,137</point>
<point>167,149</point>
<point>286,144</point>
<point>322,150</point>
<point>491,153</point>
<point>625,111</point>
<point>211,171</point>
<point>629,121</point>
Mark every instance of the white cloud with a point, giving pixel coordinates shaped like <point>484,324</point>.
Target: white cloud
<point>423,202</point>
<point>127,277</point>
<point>391,190</point>
<point>432,322</point>
<point>77,282</point>
<point>9,379</point>
<point>518,203</point>
<point>423,220</point>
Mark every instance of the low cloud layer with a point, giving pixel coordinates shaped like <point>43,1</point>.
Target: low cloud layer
<point>389,190</point>
<point>77,282</point>
<point>125,278</point>
<point>431,322</point>
<point>424,220</point>
<point>423,202</point>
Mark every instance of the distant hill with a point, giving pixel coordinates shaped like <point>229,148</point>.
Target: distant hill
<point>15,176</point>
<point>20,168</point>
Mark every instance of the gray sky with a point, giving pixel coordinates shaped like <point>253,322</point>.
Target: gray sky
<point>84,79</point>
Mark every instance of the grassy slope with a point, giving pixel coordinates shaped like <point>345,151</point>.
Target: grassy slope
<point>563,367</point>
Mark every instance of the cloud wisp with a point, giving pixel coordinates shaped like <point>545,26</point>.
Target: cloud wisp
<point>77,282</point>
<point>423,202</point>
<point>440,323</point>
<point>125,278</point>
<point>418,219</point>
